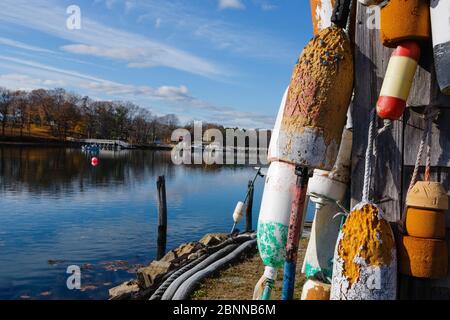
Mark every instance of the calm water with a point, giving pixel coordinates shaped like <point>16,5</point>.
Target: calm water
<point>57,210</point>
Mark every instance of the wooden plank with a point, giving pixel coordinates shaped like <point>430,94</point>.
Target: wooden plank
<point>425,90</point>
<point>371,63</point>
<point>415,125</point>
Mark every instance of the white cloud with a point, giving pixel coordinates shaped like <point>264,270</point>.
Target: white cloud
<point>103,41</point>
<point>27,75</point>
<point>231,4</point>
<point>21,45</point>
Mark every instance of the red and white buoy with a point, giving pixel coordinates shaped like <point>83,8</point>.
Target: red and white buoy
<point>398,81</point>
<point>94,161</point>
<point>440,25</point>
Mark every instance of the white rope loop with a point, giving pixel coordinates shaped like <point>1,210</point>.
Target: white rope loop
<point>368,169</point>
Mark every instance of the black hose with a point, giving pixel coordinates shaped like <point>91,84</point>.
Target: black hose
<point>176,284</point>
<point>188,286</point>
<point>163,287</point>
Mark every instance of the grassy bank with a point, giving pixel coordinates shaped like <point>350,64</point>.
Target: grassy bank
<point>238,281</point>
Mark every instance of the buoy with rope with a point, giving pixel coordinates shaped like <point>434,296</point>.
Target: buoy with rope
<point>398,81</point>
<point>365,259</point>
<point>422,247</point>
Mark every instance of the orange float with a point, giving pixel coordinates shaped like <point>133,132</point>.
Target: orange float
<point>403,20</point>
<point>423,258</point>
<point>427,205</point>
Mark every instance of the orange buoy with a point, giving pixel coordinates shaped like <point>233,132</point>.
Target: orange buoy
<point>403,20</point>
<point>426,207</point>
<point>398,81</point>
<point>316,290</point>
<point>423,258</point>
<point>423,223</point>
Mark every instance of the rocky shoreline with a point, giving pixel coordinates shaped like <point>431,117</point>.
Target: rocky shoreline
<point>150,277</point>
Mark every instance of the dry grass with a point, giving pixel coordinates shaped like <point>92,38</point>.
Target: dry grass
<point>238,281</point>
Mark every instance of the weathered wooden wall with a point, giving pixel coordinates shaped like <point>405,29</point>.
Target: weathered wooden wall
<point>397,149</point>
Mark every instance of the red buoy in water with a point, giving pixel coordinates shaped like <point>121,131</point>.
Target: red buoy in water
<point>94,161</point>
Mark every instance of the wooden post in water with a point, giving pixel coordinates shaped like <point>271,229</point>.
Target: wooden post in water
<point>162,217</point>
<point>249,209</point>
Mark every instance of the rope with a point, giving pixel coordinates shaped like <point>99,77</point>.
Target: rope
<point>387,126</point>
<point>367,169</point>
<point>429,114</point>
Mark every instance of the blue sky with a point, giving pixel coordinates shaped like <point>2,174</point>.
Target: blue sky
<point>225,61</point>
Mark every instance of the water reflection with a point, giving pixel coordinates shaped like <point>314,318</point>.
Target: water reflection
<point>54,206</point>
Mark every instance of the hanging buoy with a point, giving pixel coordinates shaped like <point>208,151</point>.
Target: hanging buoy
<point>325,189</point>
<point>365,264</point>
<point>238,214</point>
<point>316,290</point>
<point>318,262</point>
<point>423,258</point>
<point>274,213</point>
<point>423,252</point>
<point>94,161</point>
<point>440,25</point>
<point>403,20</point>
<point>398,81</point>
<point>321,11</point>
<point>427,205</point>
<point>274,216</point>
<point>317,101</point>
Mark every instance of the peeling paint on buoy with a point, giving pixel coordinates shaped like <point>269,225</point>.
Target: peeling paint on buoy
<point>275,213</point>
<point>365,264</point>
<point>317,102</point>
<point>321,11</point>
<point>316,290</point>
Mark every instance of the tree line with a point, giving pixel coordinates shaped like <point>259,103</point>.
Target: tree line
<point>65,114</point>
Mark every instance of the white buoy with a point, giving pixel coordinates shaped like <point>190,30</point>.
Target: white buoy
<point>440,25</point>
<point>325,188</point>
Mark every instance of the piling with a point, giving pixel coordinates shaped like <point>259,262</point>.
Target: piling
<point>249,209</point>
<point>162,217</point>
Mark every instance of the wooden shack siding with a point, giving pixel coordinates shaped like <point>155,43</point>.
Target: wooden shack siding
<point>397,149</point>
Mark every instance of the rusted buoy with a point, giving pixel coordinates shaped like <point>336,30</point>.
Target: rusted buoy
<point>317,101</point>
<point>404,20</point>
<point>423,258</point>
<point>440,25</point>
<point>398,81</point>
<point>365,264</point>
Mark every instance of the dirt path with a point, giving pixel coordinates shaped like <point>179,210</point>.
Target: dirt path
<point>238,281</point>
